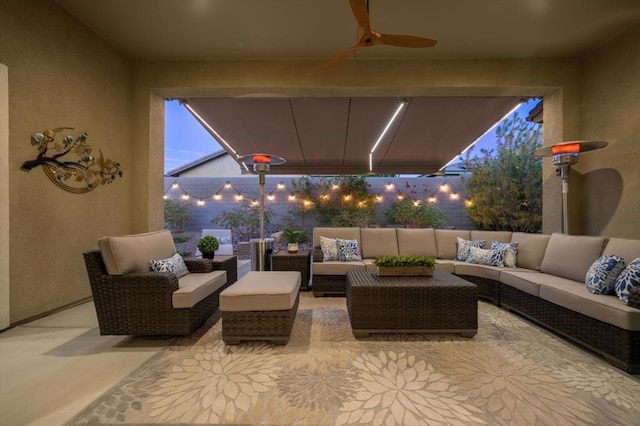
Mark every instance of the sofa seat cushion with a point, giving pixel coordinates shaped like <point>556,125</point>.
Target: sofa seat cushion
<point>370,265</point>
<point>133,253</point>
<point>447,265</point>
<point>605,308</point>
<point>262,291</point>
<point>526,280</point>
<point>378,242</point>
<point>477,270</point>
<point>195,287</point>
<point>337,267</point>
<point>571,256</point>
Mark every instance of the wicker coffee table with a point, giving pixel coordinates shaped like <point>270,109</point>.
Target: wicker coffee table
<point>442,303</point>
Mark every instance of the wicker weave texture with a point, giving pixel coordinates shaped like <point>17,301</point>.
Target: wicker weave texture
<point>487,288</point>
<point>141,304</point>
<point>620,347</point>
<point>301,262</point>
<point>333,285</point>
<point>438,303</point>
<point>259,325</point>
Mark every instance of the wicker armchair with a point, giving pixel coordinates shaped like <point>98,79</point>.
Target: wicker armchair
<point>140,304</point>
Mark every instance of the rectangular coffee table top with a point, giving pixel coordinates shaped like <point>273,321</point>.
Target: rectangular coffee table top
<point>439,279</point>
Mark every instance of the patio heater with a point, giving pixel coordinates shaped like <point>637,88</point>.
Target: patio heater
<point>261,248</point>
<point>565,155</point>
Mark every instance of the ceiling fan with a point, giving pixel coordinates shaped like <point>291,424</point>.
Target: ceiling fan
<point>368,37</point>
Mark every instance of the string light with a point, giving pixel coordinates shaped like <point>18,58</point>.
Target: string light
<point>200,202</point>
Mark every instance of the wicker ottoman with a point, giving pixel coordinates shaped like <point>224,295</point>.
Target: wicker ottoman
<point>262,305</point>
<point>442,303</point>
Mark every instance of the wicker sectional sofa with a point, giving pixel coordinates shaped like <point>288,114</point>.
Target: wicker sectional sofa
<point>547,285</point>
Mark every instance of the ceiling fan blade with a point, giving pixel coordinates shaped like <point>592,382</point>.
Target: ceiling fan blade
<point>361,13</point>
<point>407,41</point>
<point>339,57</point>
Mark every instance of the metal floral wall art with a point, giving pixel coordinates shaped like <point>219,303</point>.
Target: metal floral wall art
<point>78,177</point>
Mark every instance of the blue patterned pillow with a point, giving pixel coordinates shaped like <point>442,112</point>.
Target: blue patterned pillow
<point>348,250</point>
<point>628,279</point>
<point>329,247</point>
<point>175,264</point>
<point>464,245</point>
<point>224,240</point>
<point>510,252</point>
<point>601,276</point>
<point>485,257</point>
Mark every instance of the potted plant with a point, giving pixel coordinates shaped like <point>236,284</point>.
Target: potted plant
<point>405,265</point>
<point>293,237</point>
<point>208,245</point>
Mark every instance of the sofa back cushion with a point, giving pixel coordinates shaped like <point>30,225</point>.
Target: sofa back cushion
<point>531,249</point>
<point>626,249</point>
<point>571,256</point>
<point>352,233</point>
<point>417,242</point>
<point>446,242</point>
<point>378,242</point>
<point>490,236</point>
<point>133,253</point>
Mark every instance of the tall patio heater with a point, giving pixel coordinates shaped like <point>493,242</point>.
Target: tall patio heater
<point>261,248</point>
<point>565,155</point>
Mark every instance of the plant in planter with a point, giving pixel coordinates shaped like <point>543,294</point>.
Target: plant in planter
<point>405,265</point>
<point>293,237</point>
<point>208,245</point>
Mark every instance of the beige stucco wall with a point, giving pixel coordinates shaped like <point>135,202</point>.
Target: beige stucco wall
<point>60,74</point>
<point>611,112</point>
<point>4,198</point>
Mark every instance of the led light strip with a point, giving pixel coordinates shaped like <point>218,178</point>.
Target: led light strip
<point>393,118</point>
<point>213,132</point>
<point>474,142</point>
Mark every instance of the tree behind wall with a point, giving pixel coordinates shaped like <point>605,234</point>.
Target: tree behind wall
<point>176,214</point>
<point>505,189</point>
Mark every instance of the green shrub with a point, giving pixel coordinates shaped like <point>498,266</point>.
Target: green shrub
<point>408,260</point>
<point>423,215</point>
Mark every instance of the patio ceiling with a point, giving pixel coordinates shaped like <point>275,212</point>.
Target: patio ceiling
<point>335,134</point>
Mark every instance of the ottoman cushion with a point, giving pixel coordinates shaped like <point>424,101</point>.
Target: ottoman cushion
<point>262,291</point>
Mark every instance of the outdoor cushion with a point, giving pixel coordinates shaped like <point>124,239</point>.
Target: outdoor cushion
<point>196,287</point>
<point>348,250</point>
<point>417,242</point>
<point>446,242</point>
<point>337,267</point>
<point>609,309</point>
<point>446,265</point>
<point>329,247</point>
<point>526,280</point>
<point>262,291</point>
<point>350,233</point>
<point>475,270</point>
<point>378,242</point>
<point>531,249</point>
<point>628,279</point>
<point>464,247</point>
<point>570,256</point>
<point>485,257</point>
<point>175,264</point>
<point>626,249</point>
<point>601,276</point>
<point>499,236</point>
<point>510,252</point>
<point>132,253</point>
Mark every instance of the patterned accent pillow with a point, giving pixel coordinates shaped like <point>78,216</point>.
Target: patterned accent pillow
<point>464,245</point>
<point>348,250</point>
<point>485,257</point>
<point>175,264</point>
<point>329,247</point>
<point>510,252</point>
<point>224,240</point>
<point>601,276</point>
<point>628,279</point>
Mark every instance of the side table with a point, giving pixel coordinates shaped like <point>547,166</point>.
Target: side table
<point>300,261</point>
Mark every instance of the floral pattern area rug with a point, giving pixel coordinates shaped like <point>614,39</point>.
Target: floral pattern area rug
<point>510,373</point>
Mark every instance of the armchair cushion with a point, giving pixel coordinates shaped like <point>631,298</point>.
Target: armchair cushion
<point>174,264</point>
<point>132,253</point>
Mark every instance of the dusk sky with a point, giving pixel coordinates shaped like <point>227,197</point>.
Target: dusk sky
<point>186,140</point>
